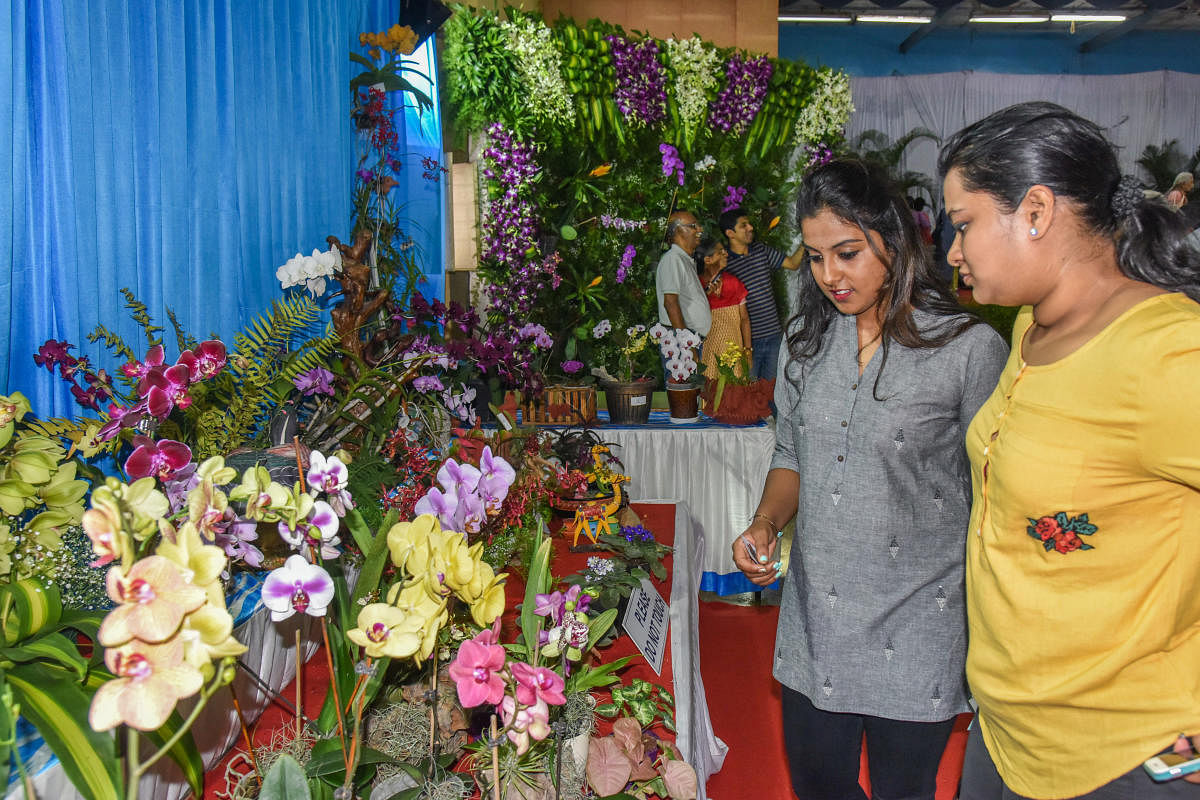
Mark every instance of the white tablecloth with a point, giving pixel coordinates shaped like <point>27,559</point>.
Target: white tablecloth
<point>718,473</point>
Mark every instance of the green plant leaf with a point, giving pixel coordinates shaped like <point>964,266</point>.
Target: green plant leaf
<point>568,233</point>
<point>51,647</point>
<point>28,606</point>
<point>599,625</point>
<point>57,706</point>
<point>375,559</point>
<point>537,583</point>
<point>184,752</point>
<point>285,781</point>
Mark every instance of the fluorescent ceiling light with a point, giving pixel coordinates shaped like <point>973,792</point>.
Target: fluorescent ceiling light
<point>815,18</point>
<point>1087,17</point>
<point>1011,18</point>
<point>893,18</point>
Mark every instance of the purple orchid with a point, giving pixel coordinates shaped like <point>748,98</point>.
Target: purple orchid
<point>572,366</point>
<point>439,504</point>
<point>236,542</point>
<point>52,353</point>
<point>179,485</point>
<point>470,512</point>
<point>746,81</point>
<point>641,92</point>
<point>319,529</point>
<point>297,587</point>
<point>453,475</point>
<point>161,459</point>
<point>136,369</point>
<point>329,475</point>
<point>549,605</point>
<point>495,477</point>
<point>428,383</point>
<point>671,162</point>
<point>317,380</point>
<point>734,195</point>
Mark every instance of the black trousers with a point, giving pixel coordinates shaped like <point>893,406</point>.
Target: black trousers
<point>824,750</point>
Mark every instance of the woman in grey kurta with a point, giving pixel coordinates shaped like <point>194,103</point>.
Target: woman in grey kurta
<point>882,374</point>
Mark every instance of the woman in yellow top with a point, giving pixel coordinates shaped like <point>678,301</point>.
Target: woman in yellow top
<point>1083,553</point>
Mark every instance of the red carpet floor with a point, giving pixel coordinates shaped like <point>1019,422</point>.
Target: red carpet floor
<point>736,643</point>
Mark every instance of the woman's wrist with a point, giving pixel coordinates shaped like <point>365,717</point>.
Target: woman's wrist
<point>759,517</point>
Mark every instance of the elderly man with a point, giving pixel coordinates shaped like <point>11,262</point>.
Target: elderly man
<point>681,299</point>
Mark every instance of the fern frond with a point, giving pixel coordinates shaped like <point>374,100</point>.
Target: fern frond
<point>113,342</point>
<point>184,339</point>
<point>56,426</point>
<point>141,315</point>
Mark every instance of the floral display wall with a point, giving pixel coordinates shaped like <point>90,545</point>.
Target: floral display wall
<point>587,136</point>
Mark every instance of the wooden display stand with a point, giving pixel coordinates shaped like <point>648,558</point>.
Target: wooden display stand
<point>561,405</point>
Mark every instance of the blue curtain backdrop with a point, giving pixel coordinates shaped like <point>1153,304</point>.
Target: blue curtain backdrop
<point>184,150</point>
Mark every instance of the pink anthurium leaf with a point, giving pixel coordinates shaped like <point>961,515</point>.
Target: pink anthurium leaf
<point>608,769</point>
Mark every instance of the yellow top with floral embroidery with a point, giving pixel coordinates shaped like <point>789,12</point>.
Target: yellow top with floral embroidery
<point>1083,553</point>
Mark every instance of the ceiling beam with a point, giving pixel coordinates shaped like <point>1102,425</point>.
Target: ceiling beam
<point>1117,31</point>
<point>922,31</point>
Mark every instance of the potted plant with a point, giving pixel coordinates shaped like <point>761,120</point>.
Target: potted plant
<point>678,349</point>
<point>628,392</point>
<point>735,398</point>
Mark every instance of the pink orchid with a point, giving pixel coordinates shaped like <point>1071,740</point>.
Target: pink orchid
<point>496,476</point>
<point>161,459</point>
<point>537,683</point>
<point>297,586</point>
<point>469,513</point>
<point>476,673</point>
<point>525,722</point>
<point>329,475</point>
<point>207,359</point>
<point>138,369</point>
<point>439,505</point>
<point>152,599</point>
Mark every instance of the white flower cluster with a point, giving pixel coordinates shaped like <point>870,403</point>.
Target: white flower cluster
<point>599,567</point>
<point>540,64</point>
<point>678,349</point>
<point>705,165</point>
<point>828,108</point>
<point>601,329</point>
<point>310,271</point>
<point>697,69</point>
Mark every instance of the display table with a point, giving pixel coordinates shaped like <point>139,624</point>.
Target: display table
<point>716,471</point>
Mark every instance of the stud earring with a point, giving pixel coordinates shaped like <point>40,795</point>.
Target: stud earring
<point>1033,231</point>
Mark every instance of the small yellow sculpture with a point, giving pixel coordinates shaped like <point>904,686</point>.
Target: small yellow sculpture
<point>601,513</point>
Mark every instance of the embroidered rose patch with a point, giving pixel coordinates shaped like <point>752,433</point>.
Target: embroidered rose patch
<point>1060,532</point>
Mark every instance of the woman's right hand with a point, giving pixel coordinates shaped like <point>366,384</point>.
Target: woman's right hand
<point>761,539</point>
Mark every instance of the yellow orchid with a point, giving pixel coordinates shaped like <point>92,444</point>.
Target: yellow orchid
<point>207,636</point>
<point>453,564</point>
<point>415,602</point>
<point>596,281</point>
<point>774,221</point>
<point>206,506</point>
<point>152,599</point>
<point>408,543</point>
<point>214,469</point>
<point>201,563</point>
<point>385,631</point>
<point>600,171</point>
<point>265,499</point>
<point>150,680</point>
<point>490,602</point>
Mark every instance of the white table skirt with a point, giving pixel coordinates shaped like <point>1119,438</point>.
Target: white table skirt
<point>718,473</point>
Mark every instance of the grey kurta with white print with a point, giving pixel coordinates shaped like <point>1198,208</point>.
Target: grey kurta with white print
<point>873,618</point>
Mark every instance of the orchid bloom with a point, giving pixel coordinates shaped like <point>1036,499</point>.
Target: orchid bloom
<point>137,369</point>
<point>525,723</point>
<point>329,475</point>
<point>102,524</point>
<point>476,673</point>
<point>426,614</point>
<point>152,599</point>
<point>549,605</point>
<point>470,512</point>
<point>453,475</point>
<point>438,504</point>
<point>164,389</point>
<point>209,359</point>
<point>408,543</point>
<point>537,683</point>
<point>161,459</point>
<point>496,476</point>
<point>207,636</point>
<point>201,563</point>
<point>297,586</point>
<point>385,631</point>
<point>317,380</point>
<point>320,528</point>
<point>150,680</point>
<point>236,541</point>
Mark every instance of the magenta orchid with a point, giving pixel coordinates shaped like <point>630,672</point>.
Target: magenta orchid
<point>161,459</point>
<point>137,369</point>
<point>476,672</point>
<point>297,587</point>
<point>537,683</point>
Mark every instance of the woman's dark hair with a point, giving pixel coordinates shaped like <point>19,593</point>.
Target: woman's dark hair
<point>1042,143</point>
<point>708,244</point>
<point>863,196</point>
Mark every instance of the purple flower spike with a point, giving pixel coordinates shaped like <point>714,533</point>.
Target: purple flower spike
<point>317,380</point>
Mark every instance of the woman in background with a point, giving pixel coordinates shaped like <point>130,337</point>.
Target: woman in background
<point>882,372</point>
<point>1083,557</point>
<point>727,299</point>
<point>1181,187</point>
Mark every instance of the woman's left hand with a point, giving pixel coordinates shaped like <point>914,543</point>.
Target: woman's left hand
<point>1187,747</point>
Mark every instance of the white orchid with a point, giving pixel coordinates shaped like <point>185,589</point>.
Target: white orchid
<point>310,271</point>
